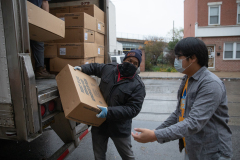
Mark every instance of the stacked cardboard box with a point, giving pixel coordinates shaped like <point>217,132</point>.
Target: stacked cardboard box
<point>84,37</point>
<point>100,27</point>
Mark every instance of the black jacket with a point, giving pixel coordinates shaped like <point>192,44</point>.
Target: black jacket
<point>124,98</point>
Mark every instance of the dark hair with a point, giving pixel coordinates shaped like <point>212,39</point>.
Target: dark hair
<point>192,46</point>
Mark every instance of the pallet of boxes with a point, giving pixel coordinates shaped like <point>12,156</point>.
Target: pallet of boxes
<point>84,37</point>
<point>83,44</point>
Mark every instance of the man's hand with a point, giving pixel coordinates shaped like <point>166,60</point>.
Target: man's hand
<point>145,136</point>
<point>45,5</point>
<point>103,113</point>
<point>77,68</point>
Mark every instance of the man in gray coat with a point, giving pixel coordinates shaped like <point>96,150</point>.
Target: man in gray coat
<point>201,117</point>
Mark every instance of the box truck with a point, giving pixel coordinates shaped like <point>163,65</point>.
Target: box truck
<point>28,106</point>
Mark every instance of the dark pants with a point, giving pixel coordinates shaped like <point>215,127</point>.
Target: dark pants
<point>38,53</point>
<point>100,142</point>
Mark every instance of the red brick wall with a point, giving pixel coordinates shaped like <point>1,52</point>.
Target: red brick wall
<point>228,15</point>
<point>142,65</point>
<point>190,17</point>
<point>220,64</point>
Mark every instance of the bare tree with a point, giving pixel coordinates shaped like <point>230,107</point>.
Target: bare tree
<point>154,47</point>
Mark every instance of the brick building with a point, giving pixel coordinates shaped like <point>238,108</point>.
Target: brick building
<point>217,23</point>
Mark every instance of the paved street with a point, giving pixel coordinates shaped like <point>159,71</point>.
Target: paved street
<point>159,103</point>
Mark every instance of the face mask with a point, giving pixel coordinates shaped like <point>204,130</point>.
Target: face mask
<point>178,65</point>
<point>127,69</point>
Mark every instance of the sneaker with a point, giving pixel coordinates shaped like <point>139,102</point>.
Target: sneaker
<point>42,73</point>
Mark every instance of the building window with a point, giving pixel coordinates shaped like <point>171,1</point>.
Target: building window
<point>238,14</point>
<point>214,13</point>
<point>231,51</point>
<point>238,51</point>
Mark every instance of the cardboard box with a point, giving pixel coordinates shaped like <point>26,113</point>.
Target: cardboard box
<point>77,50</point>
<point>50,50</point>
<point>55,10</point>
<point>77,20</point>
<point>80,96</point>
<point>57,64</point>
<point>99,59</point>
<point>100,27</point>
<point>77,35</point>
<point>99,38</point>
<point>73,3</point>
<point>92,10</point>
<point>100,50</point>
<point>44,26</point>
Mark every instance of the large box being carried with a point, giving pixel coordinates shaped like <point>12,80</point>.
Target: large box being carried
<point>44,26</point>
<point>80,96</point>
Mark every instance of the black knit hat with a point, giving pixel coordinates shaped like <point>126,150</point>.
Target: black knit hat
<point>134,53</point>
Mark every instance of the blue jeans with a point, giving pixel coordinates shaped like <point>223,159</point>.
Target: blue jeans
<point>38,53</point>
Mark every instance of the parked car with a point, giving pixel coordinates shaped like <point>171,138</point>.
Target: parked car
<point>118,59</point>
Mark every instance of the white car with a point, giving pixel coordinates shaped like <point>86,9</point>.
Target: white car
<point>119,59</point>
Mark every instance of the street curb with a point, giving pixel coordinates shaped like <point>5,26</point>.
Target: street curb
<point>226,78</point>
<point>161,77</point>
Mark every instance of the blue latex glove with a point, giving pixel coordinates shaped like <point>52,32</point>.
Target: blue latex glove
<point>78,68</point>
<point>103,113</point>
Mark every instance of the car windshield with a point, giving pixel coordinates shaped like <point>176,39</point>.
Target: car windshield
<point>121,59</point>
<point>114,59</point>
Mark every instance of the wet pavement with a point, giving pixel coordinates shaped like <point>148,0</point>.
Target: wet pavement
<point>159,103</point>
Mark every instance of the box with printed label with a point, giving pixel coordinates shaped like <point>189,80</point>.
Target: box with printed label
<point>50,50</point>
<point>99,59</point>
<point>76,35</point>
<point>99,38</point>
<point>80,96</point>
<point>57,64</point>
<point>77,50</point>
<point>55,10</point>
<point>92,10</point>
<point>77,20</point>
<point>100,49</point>
<point>100,27</point>
<point>44,26</point>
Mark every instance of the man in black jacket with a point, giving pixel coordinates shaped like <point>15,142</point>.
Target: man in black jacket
<point>124,92</point>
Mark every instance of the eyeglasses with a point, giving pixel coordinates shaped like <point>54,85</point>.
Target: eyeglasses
<point>178,56</point>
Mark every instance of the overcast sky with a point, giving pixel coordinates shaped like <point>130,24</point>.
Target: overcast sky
<point>147,17</point>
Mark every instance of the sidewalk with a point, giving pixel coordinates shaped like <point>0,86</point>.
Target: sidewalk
<point>177,75</point>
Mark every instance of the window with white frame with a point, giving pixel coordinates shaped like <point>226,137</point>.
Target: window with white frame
<point>231,50</point>
<point>238,14</point>
<point>214,13</point>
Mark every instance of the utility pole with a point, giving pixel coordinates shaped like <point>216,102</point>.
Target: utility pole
<point>173,31</point>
